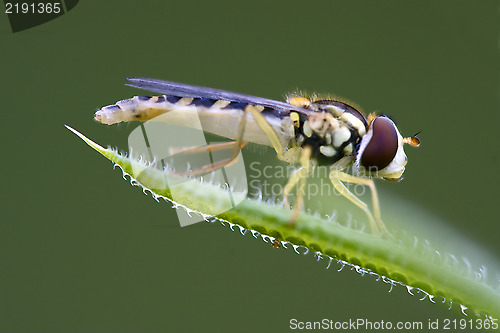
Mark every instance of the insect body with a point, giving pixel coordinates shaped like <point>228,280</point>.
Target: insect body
<point>310,131</point>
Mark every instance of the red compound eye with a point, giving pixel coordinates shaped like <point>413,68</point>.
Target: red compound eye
<point>383,145</point>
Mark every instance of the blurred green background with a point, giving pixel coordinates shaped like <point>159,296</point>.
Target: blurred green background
<point>83,251</point>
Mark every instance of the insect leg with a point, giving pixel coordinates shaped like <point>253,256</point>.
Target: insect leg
<point>300,176</point>
<point>337,177</point>
<point>235,146</point>
<point>292,181</point>
<point>270,133</point>
<point>210,148</point>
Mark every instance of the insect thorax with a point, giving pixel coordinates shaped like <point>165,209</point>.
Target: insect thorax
<point>332,131</point>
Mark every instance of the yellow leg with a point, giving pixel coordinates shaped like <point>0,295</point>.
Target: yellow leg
<point>288,155</point>
<point>337,177</point>
<point>292,181</point>
<point>236,146</point>
<point>239,143</point>
<point>300,176</point>
<point>213,166</point>
<point>210,148</point>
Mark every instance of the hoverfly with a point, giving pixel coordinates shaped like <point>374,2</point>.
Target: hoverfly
<point>307,130</point>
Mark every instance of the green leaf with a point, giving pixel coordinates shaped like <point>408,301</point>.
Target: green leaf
<point>406,261</point>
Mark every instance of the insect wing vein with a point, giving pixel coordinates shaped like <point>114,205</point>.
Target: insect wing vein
<point>186,90</point>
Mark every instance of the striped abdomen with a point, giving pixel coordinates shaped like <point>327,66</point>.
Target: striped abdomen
<point>220,117</point>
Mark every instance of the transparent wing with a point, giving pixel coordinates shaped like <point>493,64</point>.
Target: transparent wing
<point>186,90</point>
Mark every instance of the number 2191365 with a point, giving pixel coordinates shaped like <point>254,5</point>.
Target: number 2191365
<point>32,8</point>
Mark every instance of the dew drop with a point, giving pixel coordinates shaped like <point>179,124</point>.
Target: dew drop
<point>266,239</point>
<point>467,263</point>
<point>243,231</point>
<point>329,262</point>
<point>415,242</point>
<point>295,248</point>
